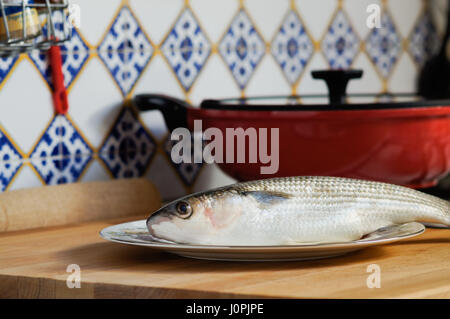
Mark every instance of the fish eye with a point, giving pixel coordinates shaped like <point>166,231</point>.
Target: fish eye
<point>184,210</point>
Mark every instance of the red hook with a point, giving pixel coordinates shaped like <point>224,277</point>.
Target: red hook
<point>60,101</point>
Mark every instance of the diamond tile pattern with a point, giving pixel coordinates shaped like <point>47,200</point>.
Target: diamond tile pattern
<point>9,161</point>
<point>188,172</point>
<point>186,49</point>
<point>424,40</point>
<point>383,45</point>
<point>6,64</point>
<point>128,149</point>
<point>74,55</point>
<point>61,154</point>
<point>341,44</point>
<point>125,50</point>
<point>242,48</point>
<point>292,47</point>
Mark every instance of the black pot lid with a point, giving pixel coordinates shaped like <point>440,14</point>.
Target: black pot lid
<point>337,99</point>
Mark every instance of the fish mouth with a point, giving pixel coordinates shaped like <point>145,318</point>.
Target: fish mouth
<point>154,220</point>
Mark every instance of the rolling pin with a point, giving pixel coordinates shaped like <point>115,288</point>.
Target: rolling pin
<point>78,202</point>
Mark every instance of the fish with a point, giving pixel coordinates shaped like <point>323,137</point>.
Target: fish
<point>292,211</point>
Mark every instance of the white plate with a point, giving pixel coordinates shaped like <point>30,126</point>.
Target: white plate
<point>136,233</point>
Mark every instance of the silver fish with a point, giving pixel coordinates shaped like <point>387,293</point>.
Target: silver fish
<point>293,210</point>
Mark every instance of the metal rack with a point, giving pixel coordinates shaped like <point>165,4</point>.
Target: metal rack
<point>51,25</point>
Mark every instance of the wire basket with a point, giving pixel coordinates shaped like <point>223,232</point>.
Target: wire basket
<point>26,25</point>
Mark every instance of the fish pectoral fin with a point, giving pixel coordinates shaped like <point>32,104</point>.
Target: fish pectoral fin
<point>267,198</point>
<point>300,243</point>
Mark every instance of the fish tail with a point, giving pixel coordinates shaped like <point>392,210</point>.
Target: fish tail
<point>447,214</point>
<point>445,220</point>
<point>439,215</point>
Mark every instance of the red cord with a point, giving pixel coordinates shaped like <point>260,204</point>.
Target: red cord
<point>60,101</point>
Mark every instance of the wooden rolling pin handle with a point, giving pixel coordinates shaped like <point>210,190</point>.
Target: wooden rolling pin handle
<point>78,202</point>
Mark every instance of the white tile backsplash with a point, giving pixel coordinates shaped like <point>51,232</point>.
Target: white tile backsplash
<point>357,12</point>
<point>215,15</point>
<point>267,15</point>
<point>261,84</point>
<point>165,178</point>
<point>224,48</point>
<point>215,82</point>
<point>95,16</point>
<point>405,19</point>
<point>309,85</point>
<point>317,15</point>
<point>94,102</point>
<point>370,81</point>
<point>26,105</point>
<point>212,176</point>
<point>26,178</point>
<point>95,171</point>
<point>157,17</point>
<point>404,76</point>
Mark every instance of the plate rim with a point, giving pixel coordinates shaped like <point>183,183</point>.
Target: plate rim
<point>360,243</point>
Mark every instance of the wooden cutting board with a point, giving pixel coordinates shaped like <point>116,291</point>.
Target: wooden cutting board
<point>33,265</point>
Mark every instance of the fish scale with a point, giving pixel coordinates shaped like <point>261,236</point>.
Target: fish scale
<point>293,210</point>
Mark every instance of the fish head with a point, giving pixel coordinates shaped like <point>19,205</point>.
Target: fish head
<point>197,218</point>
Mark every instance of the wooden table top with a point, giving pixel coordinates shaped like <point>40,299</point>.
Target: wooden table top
<point>33,265</point>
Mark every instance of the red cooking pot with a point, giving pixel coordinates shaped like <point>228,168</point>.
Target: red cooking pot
<point>405,143</point>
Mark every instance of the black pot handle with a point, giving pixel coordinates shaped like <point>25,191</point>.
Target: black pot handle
<point>173,109</point>
<point>337,81</point>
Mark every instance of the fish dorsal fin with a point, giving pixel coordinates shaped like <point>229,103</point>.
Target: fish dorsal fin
<point>267,198</point>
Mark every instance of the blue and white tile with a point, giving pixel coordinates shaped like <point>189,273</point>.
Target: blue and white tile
<point>10,161</point>
<point>383,45</point>
<point>125,50</point>
<point>156,16</point>
<point>358,14</point>
<point>129,148</point>
<point>72,63</point>
<point>211,86</point>
<point>405,14</point>
<point>292,47</point>
<point>95,17</point>
<point>25,116</point>
<point>165,178</point>
<point>26,178</point>
<point>74,54</point>
<point>188,172</point>
<point>214,16</point>
<point>341,44</point>
<point>63,29</point>
<point>94,108</point>
<point>61,154</point>
<point>6,64</point>
<point>309,11</point>
<point>242,48</point>
<point>186,48</point>
<point>424,41</point>
<point>260,10</point>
